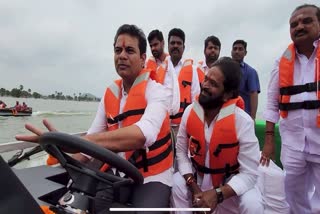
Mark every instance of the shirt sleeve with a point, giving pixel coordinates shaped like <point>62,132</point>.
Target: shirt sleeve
<point>158,101</point>
<point>99,123</point>
<point>253,83</point>
<point>248,156</point>
<point>195,85</point>
<point>271,112</point>
<point>183,159</point>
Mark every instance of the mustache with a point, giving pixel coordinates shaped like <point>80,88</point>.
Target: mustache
<point>300,31</point>
<point>175,49</point>
<point>206,90</point>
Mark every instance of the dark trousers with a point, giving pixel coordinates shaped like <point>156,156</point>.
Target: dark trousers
<point>149,195</point>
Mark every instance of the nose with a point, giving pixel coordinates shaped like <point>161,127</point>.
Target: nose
<point>153,48</point>
<point>204,84</point>
<point>123,54</point>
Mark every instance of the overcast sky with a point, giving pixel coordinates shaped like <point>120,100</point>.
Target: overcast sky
<point>66,45</point>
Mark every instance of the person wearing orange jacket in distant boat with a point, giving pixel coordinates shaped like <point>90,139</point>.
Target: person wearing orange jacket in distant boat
<point>18,106</point>
<point>2,105</point>
<point>24,107</point>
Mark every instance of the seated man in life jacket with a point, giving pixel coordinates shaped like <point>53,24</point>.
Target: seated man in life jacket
<point>18,106</point>
<point>2,105</point>
<point>136,109</point>
<point>217,149</point>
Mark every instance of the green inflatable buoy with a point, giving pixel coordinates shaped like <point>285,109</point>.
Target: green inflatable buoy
<point>260,129</point>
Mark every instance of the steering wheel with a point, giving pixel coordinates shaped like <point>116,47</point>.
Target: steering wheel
<point>55,143</point>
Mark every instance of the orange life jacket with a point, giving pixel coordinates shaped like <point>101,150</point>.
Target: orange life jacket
<point>286,74</point>
<point>185,82</point>
<point>152,63</point>
<point>160,69</point>
<point>224,145</point>
<point>200,71</point>
<point>156,158</point>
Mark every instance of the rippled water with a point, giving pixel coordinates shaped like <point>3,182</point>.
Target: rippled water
<point>67,116</point>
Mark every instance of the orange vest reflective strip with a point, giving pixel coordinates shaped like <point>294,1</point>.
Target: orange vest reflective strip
<point>224,145</point>
<point>200,71</point>
<point>158,157</point>
<point>185,82</point>
<point>287,87</point>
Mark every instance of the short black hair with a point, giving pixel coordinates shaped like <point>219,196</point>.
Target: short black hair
<point>155,34</point>
<point>242,42</point>
<point>134,31</point>
<point>232,75</point>
<point>177,32</point>
<point>309,5</point>
<point>214,40</point>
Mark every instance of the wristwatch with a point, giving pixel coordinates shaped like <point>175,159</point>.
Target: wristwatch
<point>219,195</point>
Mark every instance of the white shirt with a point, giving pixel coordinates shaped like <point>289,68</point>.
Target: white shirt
<point>195,86</point>
<point>150,123</point>
<point>204,67</point>
<point>248,156</point>
<point>299,130</point>
<point>171,82</point>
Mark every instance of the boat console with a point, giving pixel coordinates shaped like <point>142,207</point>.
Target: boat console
<point>72,188</point>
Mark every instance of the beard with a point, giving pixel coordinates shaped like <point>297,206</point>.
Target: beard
<point>156,54</point>
<point>208,102</point>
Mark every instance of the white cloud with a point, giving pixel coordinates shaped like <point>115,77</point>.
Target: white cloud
<point>67,45</point>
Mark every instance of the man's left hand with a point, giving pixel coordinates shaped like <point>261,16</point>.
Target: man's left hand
<point>206,199</point>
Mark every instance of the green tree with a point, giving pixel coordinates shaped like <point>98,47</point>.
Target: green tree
<point>36,95</point>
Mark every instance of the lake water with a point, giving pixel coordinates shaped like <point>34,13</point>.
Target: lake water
<point>66,116</point>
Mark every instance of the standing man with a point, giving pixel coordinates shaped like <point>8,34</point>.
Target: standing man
<point>212,47</point>
<point>160,62</point>
<point>294,95</point>
<point>217,149</point>
<point>249,86</point>
<point>156,43</point>
<point>132,119</point>
<point>187,75</point>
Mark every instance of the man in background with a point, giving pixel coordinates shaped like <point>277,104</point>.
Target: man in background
<point>250,85</point>
<point>212,47</point>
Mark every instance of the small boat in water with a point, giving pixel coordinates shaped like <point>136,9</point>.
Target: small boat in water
<point>6,112</point>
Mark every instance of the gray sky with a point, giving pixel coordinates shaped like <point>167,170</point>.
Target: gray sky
<point>66,46</point>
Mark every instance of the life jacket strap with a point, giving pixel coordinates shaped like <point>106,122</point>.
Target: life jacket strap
<point>297,89</point>
<point>145,162</point>
<point>224,146</point>
<point>310,104</point>
<point>203,169</point>
<point>124,115</point>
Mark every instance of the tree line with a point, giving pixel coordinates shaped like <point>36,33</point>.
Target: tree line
<point>21,92</point>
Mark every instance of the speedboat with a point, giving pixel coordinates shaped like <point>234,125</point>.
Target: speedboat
<point>14,113</point>
<point>69,187</point>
